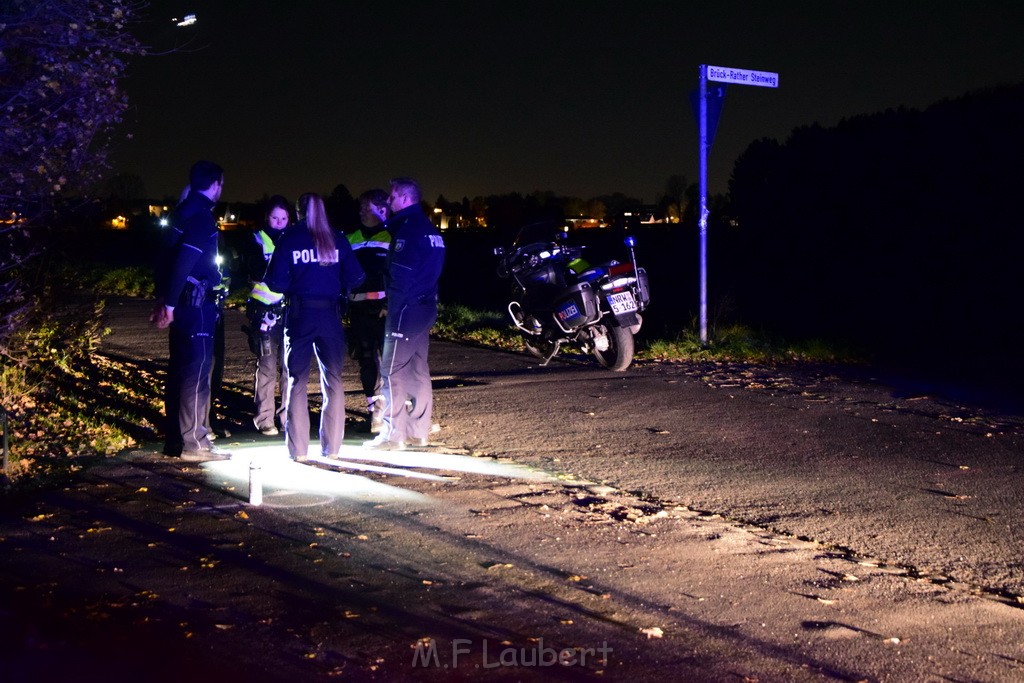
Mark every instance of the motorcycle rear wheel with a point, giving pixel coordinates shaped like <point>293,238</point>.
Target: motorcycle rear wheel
<point>619,354</point>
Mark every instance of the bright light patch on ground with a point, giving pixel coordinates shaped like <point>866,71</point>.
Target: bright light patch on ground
<point>333,480</point>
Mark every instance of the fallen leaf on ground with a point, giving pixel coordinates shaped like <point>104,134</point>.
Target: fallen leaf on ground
<point>653,632</point>
<point>497,565</point>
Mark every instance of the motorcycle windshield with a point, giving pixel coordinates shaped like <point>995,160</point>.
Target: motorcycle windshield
<point>546,231</point>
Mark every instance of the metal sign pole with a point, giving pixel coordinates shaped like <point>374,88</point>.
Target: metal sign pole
<point>702,219</point>
<point>719,74</point>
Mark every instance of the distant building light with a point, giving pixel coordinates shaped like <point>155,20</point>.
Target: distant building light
<point>187,21</point>
<point>163,222</point>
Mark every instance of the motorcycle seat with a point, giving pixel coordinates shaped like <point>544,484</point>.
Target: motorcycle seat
<point>591,275</point>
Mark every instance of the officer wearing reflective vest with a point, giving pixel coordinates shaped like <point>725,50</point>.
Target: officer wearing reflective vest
<point>265,310</point>
<point>368,302</point>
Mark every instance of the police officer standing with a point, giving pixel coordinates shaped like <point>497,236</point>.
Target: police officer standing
<point>367,303</point>
<point>265,311</point>
<point>415,260</point>
<point>315,268</point>
<point>186,278</point>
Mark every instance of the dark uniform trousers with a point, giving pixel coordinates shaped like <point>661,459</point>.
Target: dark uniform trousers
<point>313,326</point>
<point>366,339</point>
<point>190,366</point>
<point>405,374</point>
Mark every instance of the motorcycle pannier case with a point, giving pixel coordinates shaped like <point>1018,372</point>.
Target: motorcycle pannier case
<point>645,290</point>
<point>578,306</point>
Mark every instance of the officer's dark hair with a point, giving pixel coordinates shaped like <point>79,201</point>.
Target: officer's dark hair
<point>407,186</point>
<point>376,196</point>
<point>278,202</point>
<point>203,174</point>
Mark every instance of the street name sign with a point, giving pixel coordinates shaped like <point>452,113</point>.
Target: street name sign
<point>709,106</point>
<point>725,74</point>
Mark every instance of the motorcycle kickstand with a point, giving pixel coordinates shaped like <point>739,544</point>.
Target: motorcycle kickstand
<point>554,352</point>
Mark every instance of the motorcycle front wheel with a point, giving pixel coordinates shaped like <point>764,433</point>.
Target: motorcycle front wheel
<point>619,353</point>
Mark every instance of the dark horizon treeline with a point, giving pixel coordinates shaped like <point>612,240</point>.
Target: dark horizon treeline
<point>900,232</point>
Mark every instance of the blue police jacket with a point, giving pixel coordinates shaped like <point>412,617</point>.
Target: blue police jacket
<point>190,249</point>
<point>415,259</point>
<point>295,269</point>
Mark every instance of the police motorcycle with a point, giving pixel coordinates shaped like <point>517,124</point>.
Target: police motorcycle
<point>559,299</point>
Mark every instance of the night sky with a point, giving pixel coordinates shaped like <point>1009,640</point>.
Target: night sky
<point>581,98</point>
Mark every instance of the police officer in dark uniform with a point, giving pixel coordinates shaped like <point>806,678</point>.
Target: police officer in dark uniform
<point>186,277</point>
<point>415,260</point>
<point>315,269</point>
<point>367,303</point>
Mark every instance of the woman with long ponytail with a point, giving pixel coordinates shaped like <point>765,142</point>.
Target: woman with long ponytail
<point>314,267</point>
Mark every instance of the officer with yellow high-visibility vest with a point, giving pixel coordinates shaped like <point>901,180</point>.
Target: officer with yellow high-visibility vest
<point>265,310</point>
<point>368,303</point>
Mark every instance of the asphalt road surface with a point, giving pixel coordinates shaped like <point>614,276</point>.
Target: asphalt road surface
<point>673,522</point>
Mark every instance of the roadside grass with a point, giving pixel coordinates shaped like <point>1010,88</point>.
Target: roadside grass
<point>736,343</point>
<point>135,281</point>
<point>63,406</point>
<point>485,328</point>
<point>740,343</point>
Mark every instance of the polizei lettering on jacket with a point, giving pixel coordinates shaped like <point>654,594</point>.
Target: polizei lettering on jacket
<point>308,256</point>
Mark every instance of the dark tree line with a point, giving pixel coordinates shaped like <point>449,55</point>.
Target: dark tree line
<point>899,231</point>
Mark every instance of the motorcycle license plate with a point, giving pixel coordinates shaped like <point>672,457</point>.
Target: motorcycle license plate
<point>622,302</point>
